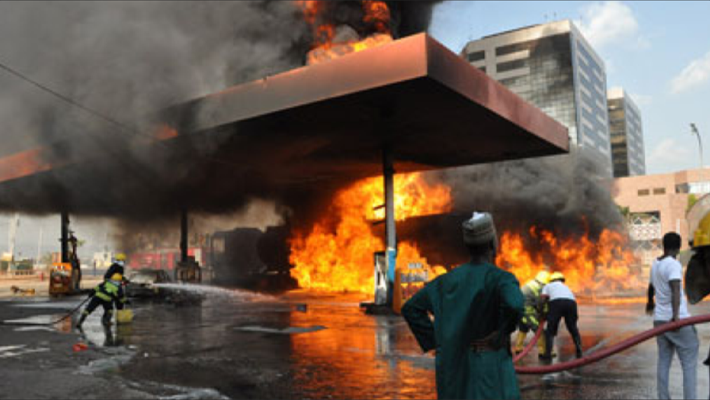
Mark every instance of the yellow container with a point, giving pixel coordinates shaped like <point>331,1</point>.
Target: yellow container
<point>124,316</point>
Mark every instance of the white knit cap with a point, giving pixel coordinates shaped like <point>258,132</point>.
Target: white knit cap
<point>479,230</point>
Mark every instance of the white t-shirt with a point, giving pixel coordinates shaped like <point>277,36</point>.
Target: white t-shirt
<point>557,290</point>
<point>662,272</point>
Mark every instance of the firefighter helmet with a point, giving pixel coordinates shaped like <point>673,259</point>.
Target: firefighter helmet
<point>117,277</point>
<point>557,276</point>
<point>543,277</point>
<point>702,233</point>
<point>120,257</point>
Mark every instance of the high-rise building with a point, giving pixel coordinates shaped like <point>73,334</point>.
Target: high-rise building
<point>554,68</point>
<point>626,133</point>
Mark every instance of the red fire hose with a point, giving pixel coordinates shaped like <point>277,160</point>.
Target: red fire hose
<point>600,355</point>
<point>526,350</point>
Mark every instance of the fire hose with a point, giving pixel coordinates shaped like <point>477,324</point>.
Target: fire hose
<point>602,354</point>
<point>526,350</point>
<point>69,314</point>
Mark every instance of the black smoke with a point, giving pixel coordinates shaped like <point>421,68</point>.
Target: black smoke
<point>129,60</point>
<point>568,194</point>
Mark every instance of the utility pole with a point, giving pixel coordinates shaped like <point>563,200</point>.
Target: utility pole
<point>12,235</point>
<point>39,246</point>
<point>694,131</point>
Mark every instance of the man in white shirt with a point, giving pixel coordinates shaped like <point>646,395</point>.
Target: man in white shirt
<point>671,306</point>
<point>562,304</point>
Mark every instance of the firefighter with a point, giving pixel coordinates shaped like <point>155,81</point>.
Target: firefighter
<point>562,304</point>
<point>697,274</point>
<point>105,294</point>
<point>117,267</point>
<point>532,291</point>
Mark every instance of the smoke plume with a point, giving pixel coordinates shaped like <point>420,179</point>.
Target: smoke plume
<point>129,60</point>
<point>567,194</point>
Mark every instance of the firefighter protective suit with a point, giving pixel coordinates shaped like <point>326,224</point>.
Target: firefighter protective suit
<point>105,294</point>
<point>533,311</point>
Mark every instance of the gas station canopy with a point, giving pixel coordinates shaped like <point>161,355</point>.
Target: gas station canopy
<point>320,123</point>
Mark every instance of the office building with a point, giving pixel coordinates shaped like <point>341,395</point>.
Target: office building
<point>626,134</point>
<point>553,67</point>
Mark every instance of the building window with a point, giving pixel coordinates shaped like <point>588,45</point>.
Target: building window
<point>659,191</point>
<point>483,69</point>
<point>513,48</point>
<point>511,65</point>
<point>699,187</point>
<point>476,56</point>
<point>517,80</point>
<point>644,192</point>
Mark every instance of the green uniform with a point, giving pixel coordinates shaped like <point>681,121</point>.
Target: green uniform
<point>469,304</point>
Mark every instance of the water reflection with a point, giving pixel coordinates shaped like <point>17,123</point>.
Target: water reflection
<point>358,356</point>
<point>355,356</point>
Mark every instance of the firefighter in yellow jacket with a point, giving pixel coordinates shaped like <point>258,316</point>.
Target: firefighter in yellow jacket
<point>533,311</point>
<point>106,294</point>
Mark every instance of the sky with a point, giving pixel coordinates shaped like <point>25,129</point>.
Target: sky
<point>659,52</point>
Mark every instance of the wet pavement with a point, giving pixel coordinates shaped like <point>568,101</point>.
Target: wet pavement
<point>237,344</point>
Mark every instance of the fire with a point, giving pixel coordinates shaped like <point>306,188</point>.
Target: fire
<point>337,254</point>
<point>332,42</point>
<point>165,132</point>
<point>591,267</point>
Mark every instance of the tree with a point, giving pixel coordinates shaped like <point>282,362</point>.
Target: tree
<point>692,199</point>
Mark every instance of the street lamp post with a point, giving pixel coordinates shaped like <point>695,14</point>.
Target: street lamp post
<point>694,130</point>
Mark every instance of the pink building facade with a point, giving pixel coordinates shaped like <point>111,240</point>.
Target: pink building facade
<point>658,204</point>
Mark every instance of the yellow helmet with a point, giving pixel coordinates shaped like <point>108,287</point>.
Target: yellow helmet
<point>116,277</point>
<point>702,234</point>
<point>120,257</point>
<point>543,277</point>
<point>557,276</point>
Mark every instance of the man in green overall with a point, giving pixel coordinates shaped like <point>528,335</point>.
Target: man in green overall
<point>475,307</point>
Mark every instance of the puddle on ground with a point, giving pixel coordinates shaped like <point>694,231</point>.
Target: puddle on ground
<point>35,328</point>
<point>197,394</point>
<point>285,331</point>
<point>114,358</point>
<point>20,350</point>
<point>63,304</point>
<point>174,392</point>
<point>42,322</point>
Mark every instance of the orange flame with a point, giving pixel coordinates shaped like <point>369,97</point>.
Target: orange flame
<point>165,132</point>
<point>337,254</point>
<point>376,14</point>
<point>604,266</point>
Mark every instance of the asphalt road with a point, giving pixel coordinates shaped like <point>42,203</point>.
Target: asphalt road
<point>236,344</point>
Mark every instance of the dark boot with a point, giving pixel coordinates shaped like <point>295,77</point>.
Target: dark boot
<point>549,344</point>
<point>81,320</point>
<point>577,345</point>
<point>106,319</point>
